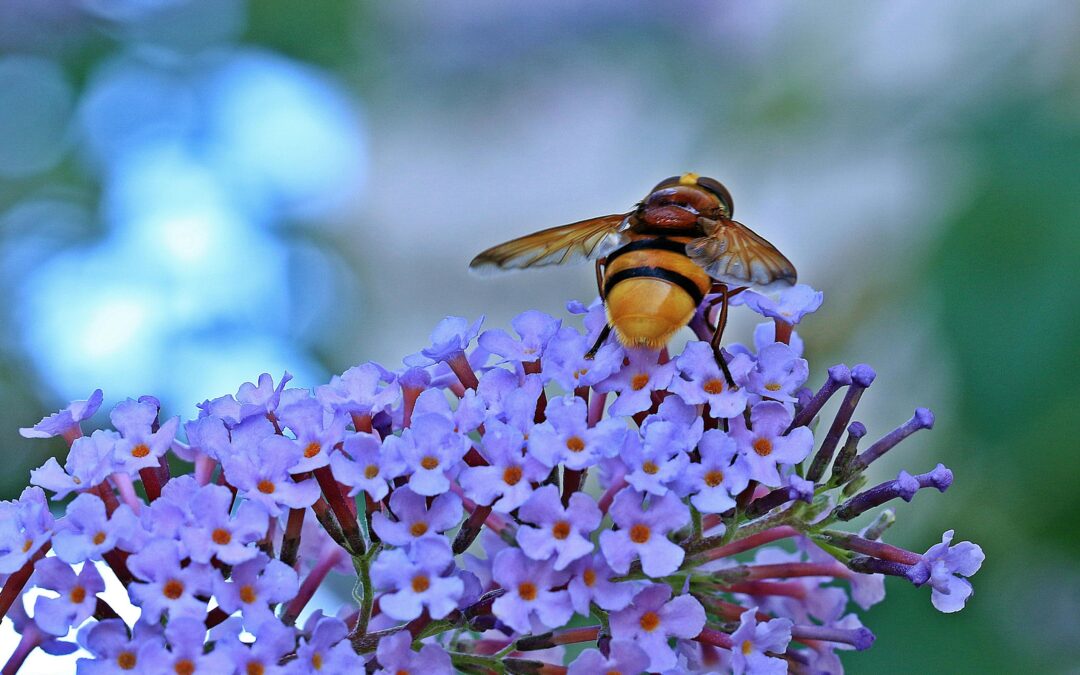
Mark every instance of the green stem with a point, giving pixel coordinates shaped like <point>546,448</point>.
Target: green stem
<point>364,586</point>
<point>488,662</point>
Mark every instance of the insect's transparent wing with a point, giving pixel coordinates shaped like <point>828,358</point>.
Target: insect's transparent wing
<point>735,255</point>
<point>576,242</point>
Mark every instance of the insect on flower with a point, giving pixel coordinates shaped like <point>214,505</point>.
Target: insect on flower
<point>656,264</point>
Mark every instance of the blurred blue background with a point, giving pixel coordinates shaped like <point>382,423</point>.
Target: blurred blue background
<point>196,191</point>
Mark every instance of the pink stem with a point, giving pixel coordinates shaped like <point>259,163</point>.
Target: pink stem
<point>463,369</point>
<point>126,488</point>
<point>204,468</point>
<point>329,558</point>
<point>29,642</point>
<point>608,496</point>
<point>753,541</point>
<point>596,408</point>
<point>716,638</point>
<point>796,569</point>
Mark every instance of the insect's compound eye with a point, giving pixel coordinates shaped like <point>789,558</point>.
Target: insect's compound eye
<point>715,187</point>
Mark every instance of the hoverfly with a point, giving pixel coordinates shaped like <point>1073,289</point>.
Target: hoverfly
<point>656,264</point>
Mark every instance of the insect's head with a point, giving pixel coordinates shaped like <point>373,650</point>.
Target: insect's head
<point>679,201</point>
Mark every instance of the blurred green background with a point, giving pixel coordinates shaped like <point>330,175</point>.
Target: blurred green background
<point>195,191</point>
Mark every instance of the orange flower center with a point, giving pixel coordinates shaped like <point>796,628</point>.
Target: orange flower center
<point>638,382</point>
<point>650,467</point>
<point>575,444</point>
<point>78,594</point>
<point>713,386</point>
<point>27,544</point>
<point>649,621</point>
<point>184,667</point>
<point>221,536</point>
<point>589,577</point>
<point>527,591</point>
<point>773,386</point>
<point>371,470</point>
<point>126,660</point>
<point>312,449</point>
<point>579,372</point>
<point>99,539</point>
<point>429,462</point>
<point>714,478</point>
<point>512,475</point>
<point>266,487</point>
<point>747,647</point>
<point>316,661</point>
<point>639,534</point>
<point>763,447</point>
<point>247,594</point>
<point>254,668</point>
<point>560,530</point>
<point>420,583</point>
<point>418,529</point>
<point>140,450</point>
<point>172,589</point>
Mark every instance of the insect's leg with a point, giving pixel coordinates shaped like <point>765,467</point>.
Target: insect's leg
<point>591,354</point>
<point>601,265</point>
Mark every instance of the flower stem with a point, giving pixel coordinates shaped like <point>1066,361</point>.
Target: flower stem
<point>28,643</point>
<point>15,583</point>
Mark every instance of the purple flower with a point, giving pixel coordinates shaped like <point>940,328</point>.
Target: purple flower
<point>468,415</point>
<point>77,599</point>
<point>260,399</point>
<point>316,433</point>
<point>212,533</point>
<point>721,474</point>
<point>529,592</point>
<point>945,564</point>
<point>431,450</point>
<point>114,651</point>
<point>643,533</point>
<point>778,373</point>
<point>658,459</point>
<point>790,307</point>
<point>535,329</point>
<point>507,482</point>
<point>364,390</point>
<point>140,446</point>
<point>416,580</point>
<point>653,618</point>
<point>168,586</point>
<point>703,382</point>
<point>273,640</point>
<point>636,382</point>
<point>591,582</point>
<point>765,445</point>
<point>254,586</point>
<point>186,653</point>
<point>25,525</point>
<point>395,656</point>
<point>206,435</point>
<point>751,640</point>
<point>86,533</point>
<point>625,657</point>
<point>566,438</point>
<point>450,338</point>
<point>326,651</point>
<point>262,476</point>
<point>565,362</point>
<point>415,519</point>
<point>562,531</point>
<point>65,422</point>
<point>765,335</point>
<point>89,463</point>
<point>366,466</point>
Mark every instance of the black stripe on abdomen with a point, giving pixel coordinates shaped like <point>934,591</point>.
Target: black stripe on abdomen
<point>657,244</point>
<point>660,273</point>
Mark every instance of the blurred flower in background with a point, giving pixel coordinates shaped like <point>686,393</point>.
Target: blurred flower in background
<point>220,188</point>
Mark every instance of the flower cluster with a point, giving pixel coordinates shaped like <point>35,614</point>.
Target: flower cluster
<point>490,505</point>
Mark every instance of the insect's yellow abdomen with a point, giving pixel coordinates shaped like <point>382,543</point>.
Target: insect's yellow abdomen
<point>652,290</point>
<point>646,312</point>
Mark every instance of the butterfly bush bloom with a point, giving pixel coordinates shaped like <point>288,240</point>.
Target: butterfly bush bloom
<point>497,504</point>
